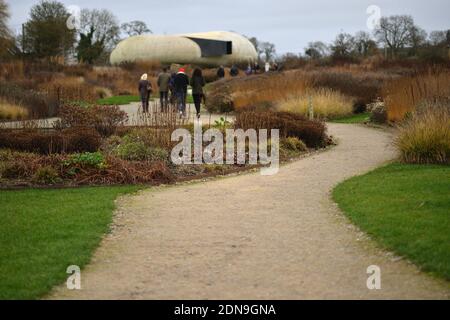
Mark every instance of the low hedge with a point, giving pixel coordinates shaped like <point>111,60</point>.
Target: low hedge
<point>105,119</point>
<point>65,141</point>
<point>311,132</point>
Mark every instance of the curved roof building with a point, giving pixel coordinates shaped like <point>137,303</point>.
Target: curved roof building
<point>209,48</point>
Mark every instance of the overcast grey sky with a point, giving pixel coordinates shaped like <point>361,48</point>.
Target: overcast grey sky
<point>290,24</point>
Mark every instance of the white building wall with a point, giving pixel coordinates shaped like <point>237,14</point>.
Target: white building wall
<point>179,49</point>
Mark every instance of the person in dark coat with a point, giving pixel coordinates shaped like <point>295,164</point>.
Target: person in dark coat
<point>181,83</point>
<point>221,72</point>
<point>197,84</point>
<point>234,71</point>
<point>163,84</point>
<point>145,89</point>
<point>173,97</point>
<point>256,68</point>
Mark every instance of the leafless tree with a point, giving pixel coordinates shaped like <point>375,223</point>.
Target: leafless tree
<point>135,28</point>
<point>105,24</point>
<point>418,38</point>
<point>7,42</point>
<point>256,43</point>
<point>438,37</point>
<point>343,45</point>
<point>317,50</point>
<point>268,49</point>
<point>364,44</point>
<point>395,32</point>
<point>4,16</point>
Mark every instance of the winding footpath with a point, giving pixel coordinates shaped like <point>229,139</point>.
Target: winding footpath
<point>253,237</point>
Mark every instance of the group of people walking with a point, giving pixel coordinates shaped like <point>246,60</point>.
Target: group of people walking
<point>173,88</point>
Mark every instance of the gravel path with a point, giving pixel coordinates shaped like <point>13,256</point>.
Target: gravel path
<point>253,237</point>
<point>134,118</point>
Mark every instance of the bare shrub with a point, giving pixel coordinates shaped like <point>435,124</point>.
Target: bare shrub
<point>105,119</point>
<point>404,95</point>
<point>38,104</point>
<point>311,132</point>
<point>239,93</point>
<point>66,141</point>
<point>68,89</point>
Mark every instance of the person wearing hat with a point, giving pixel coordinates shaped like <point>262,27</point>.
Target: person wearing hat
<point>181,83</point>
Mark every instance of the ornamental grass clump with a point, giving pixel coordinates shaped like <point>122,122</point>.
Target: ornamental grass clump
<point>404,95</point>
<point>425,136</point>
<point>11,111</point>
<point>294,144</point>
<point>325,103</point>
<point>46,175</point>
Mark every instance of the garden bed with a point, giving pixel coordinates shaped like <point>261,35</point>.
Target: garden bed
<point>91,146</point>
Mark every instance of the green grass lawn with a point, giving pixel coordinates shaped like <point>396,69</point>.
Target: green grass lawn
<point>189,99</point>
<point>42,232</point>
<point>119,100</point>
<point>354,118</point>
<point>406,208</point>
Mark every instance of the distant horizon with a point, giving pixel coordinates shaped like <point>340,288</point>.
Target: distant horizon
<point>289,24</point>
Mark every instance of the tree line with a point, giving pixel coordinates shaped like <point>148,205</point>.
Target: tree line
<point>95,32</point>
<point>51,31</point>
<point>395,37</point>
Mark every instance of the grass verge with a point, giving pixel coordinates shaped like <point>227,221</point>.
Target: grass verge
<point>405,209</point>
<point>354,118</point>
<point>119,100</point>
<point>44,231</point>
